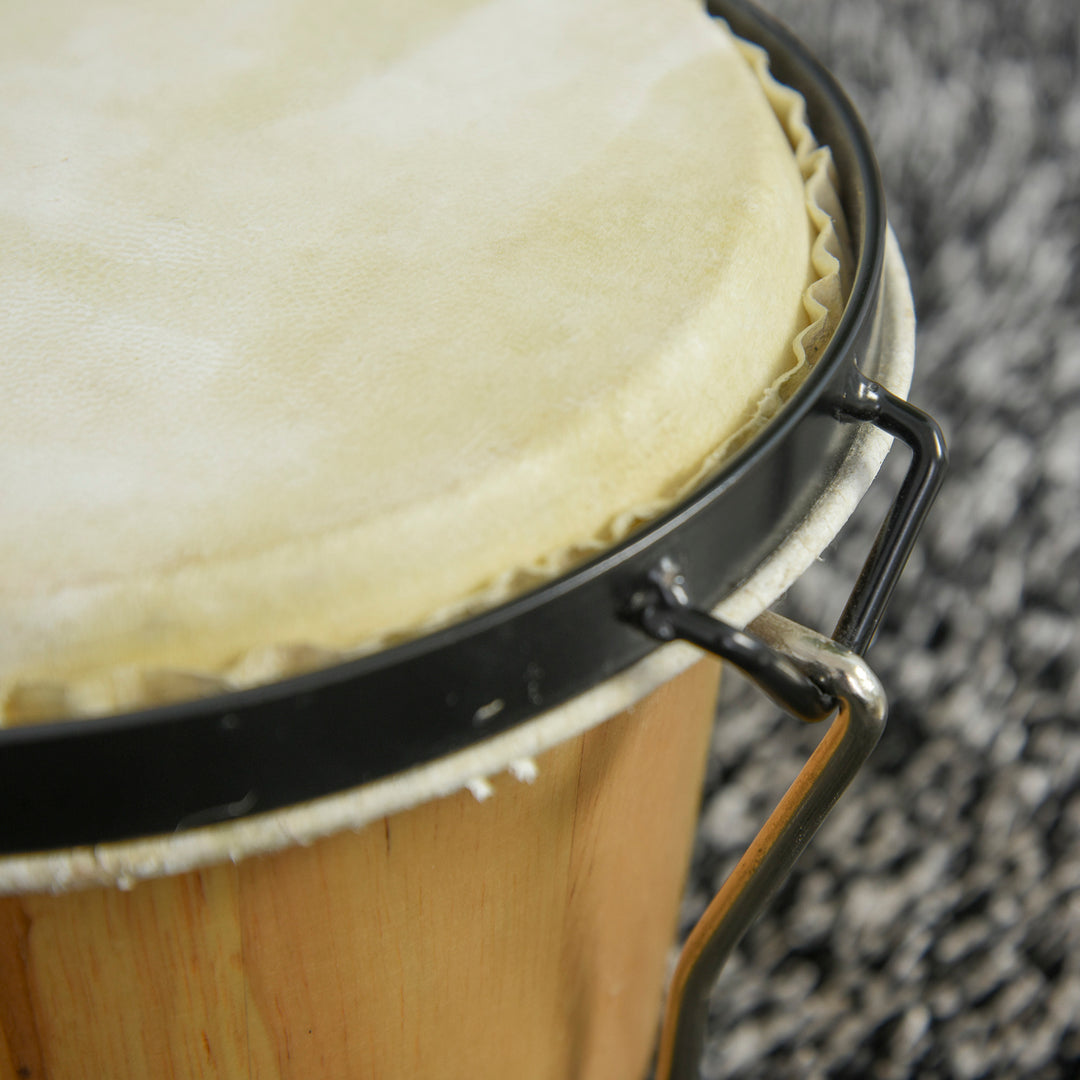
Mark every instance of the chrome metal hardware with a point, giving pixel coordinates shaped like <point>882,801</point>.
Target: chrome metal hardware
<point>839,676</point>
<point>810,676</point>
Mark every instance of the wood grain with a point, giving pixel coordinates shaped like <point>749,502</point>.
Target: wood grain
<point>525,936</point>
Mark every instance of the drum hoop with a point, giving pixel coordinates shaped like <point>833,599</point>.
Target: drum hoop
<point>179,767</point>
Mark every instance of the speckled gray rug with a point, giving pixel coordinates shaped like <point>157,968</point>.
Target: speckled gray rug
<point>933,929</point>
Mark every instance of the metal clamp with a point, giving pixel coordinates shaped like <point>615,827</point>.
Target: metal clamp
<point>810,676</point>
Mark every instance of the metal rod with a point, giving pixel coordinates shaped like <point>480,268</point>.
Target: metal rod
<point>868,401</point>
<point>768,861</point>
<point>662,609</point>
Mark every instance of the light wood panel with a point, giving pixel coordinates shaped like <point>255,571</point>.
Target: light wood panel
<point>525,936</point>
<point>140,984</point>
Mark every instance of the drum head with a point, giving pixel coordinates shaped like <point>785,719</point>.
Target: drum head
<point>472,686</point>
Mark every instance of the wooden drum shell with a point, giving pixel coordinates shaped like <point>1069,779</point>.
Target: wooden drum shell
<point>526,935</point>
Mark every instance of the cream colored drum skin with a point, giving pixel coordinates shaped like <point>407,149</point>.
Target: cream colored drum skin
<point>507,909</point>
<point>526,932</point>
<point>269,251</point>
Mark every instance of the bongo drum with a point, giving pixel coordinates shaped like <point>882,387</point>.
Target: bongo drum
<point>406,408</point>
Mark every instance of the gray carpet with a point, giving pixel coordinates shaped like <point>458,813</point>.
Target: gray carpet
<point>933,929</point>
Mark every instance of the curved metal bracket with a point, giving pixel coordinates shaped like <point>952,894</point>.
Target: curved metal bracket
<point>867,401</point>
<point>663,611</point>
<point>806,674</point>
<point>861,708</point>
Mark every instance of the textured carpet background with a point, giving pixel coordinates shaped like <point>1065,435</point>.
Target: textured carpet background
<point>933,929</point>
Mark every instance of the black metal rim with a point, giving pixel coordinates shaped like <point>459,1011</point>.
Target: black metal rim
<point>161,770</point>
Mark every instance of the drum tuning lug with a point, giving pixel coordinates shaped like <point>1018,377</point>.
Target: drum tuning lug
<point>842,677</point>
<point>807,674</point>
